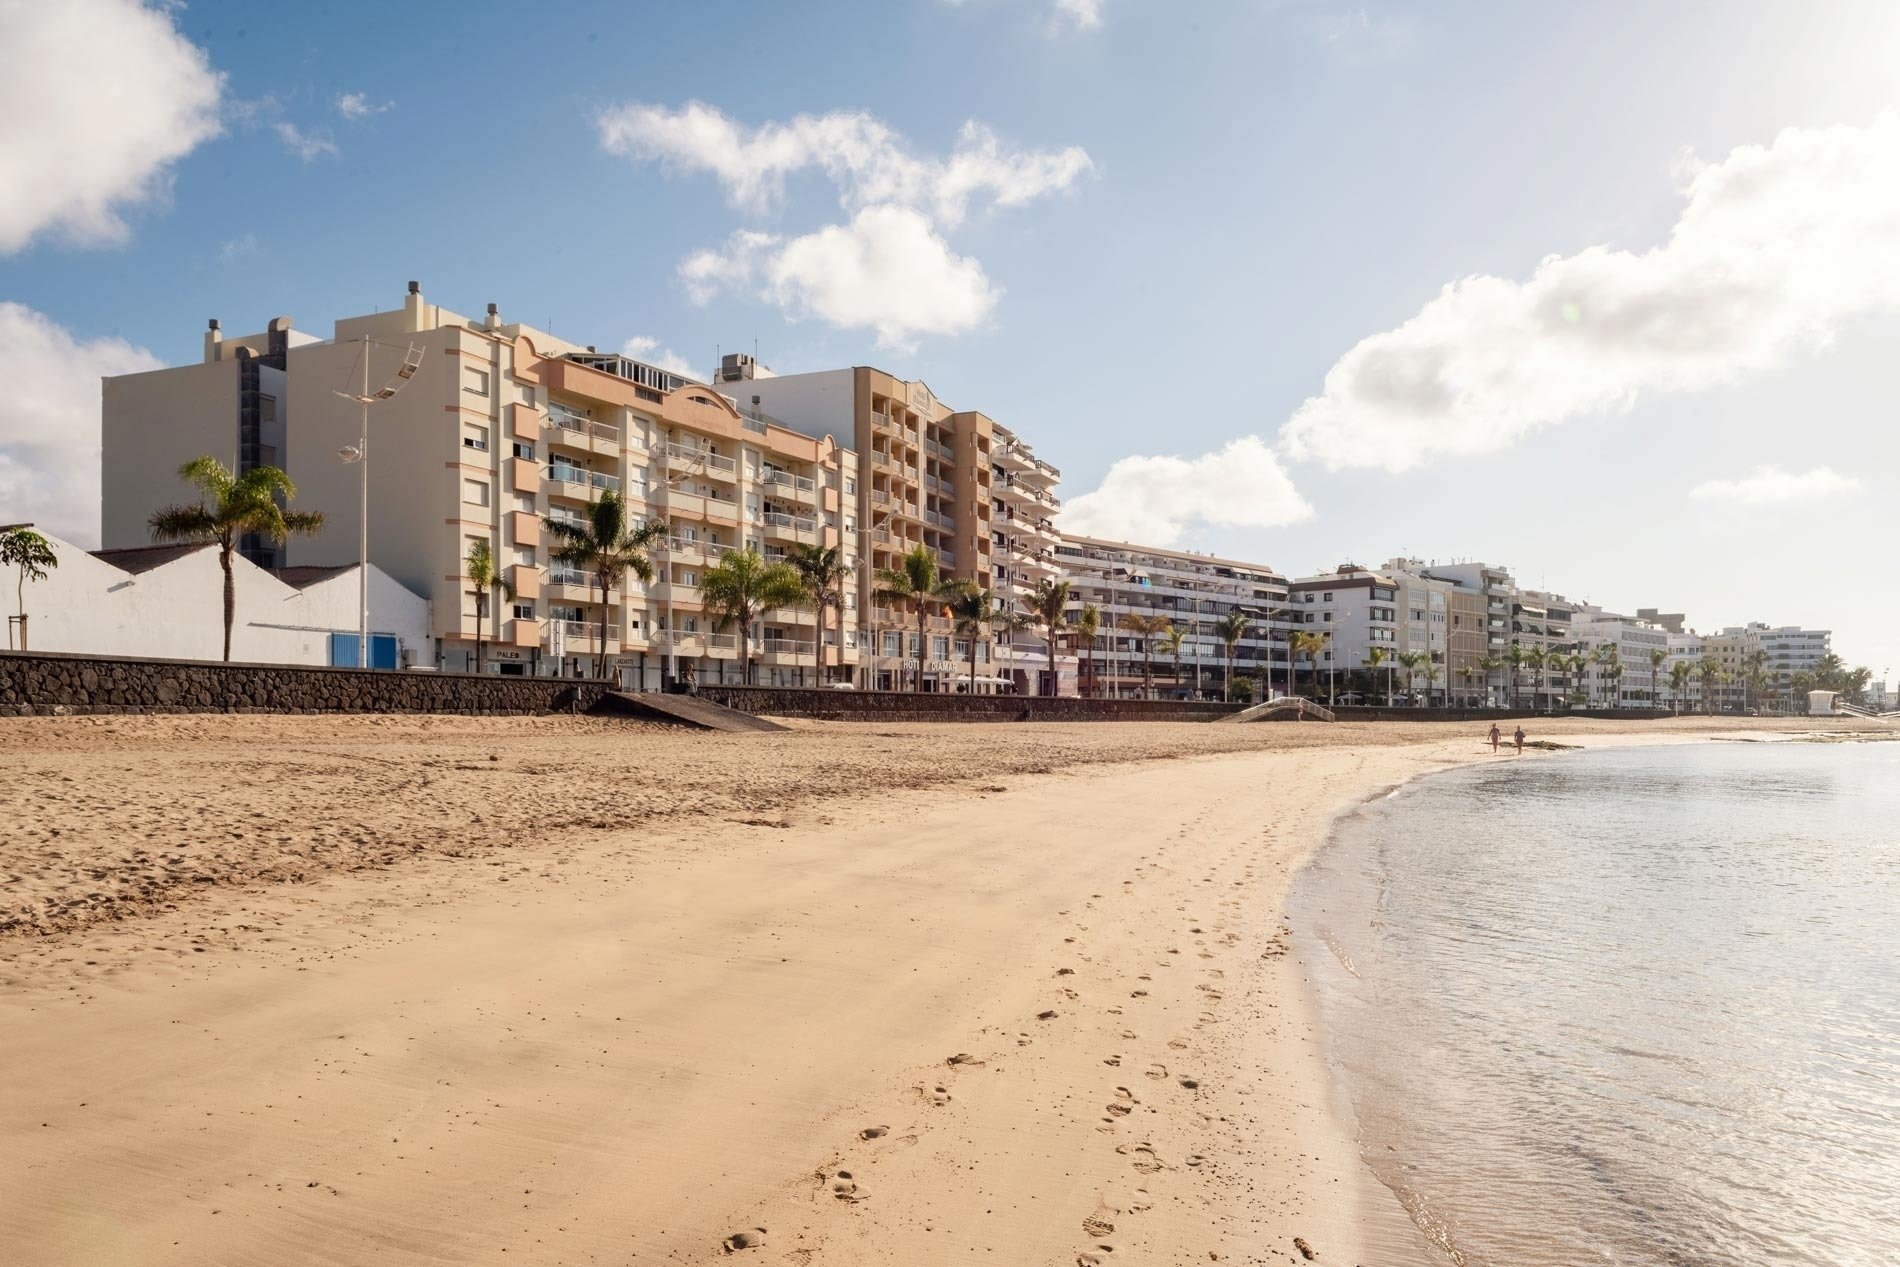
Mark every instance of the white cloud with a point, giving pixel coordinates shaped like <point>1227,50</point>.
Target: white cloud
<point>238,247</point>
<point>1775,246</point>
<point>1772,486</point>
<point>890,269</point>
<point>307,146</point>
<point>99,100</point>
<point>863,156</point>
<point>646,348</point>
<point>887,271</point>
<point>356,106</point>
<point>1157,499</point>
<point>49,420</point>
<point>1080,15</point>
<point>1064,15</point>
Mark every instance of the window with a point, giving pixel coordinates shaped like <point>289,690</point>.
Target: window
<point>1329,596</point>
<point>940,648</point>
<point>850,486</point>
<point>475,492</point>
<point>1329,618</point>
<point>524,450</point>
<point>475,382</point>
<point>893,643</point>
<point>474,437</point>
<point>524,611</point>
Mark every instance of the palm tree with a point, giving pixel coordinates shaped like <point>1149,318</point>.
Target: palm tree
<point>33,555</point>
<point>1088,626</point>
<point>1607,657</point>
<point>1578,663</point>
<point>231,507</point>
<point>1517,658</point>
<point>1374,658</point>
<point>1309,645</point>
<point>1230,629</point>
<point>1709,670</point>
<point>1467,673</point>
<point>486,577</point>
<point>1169,643</point>
<point>1411,660</point>
<point>743,586</point>
<point>1489,664</point>
<point>1538,658</point>
<point>1752,674</point>
<point>974,614</point>
<point>1145,628</point>
<point>1431,677</point>
<point>607,547</point>
<point>1679,674</point>
<point>915,580</point>
<point>1656,657</point>
<point>823,570</point>
<point>1048,607</point>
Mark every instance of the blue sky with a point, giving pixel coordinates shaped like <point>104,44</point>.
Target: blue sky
<point>1264,185</point>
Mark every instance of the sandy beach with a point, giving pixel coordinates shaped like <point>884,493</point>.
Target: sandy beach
<point>450,990</point>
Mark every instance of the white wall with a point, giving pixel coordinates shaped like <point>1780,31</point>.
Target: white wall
<point>176,611</point>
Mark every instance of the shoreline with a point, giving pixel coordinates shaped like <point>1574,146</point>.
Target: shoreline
<point>658,1036</point>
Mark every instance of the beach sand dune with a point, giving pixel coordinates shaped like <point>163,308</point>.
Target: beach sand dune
<point>916,995</point>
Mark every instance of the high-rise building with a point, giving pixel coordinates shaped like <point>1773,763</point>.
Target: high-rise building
<point>496,429</point>
<point>924,476</point>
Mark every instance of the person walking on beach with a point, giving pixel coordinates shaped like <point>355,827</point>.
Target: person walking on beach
<point>1519,738</point>
<point>1496,735</point>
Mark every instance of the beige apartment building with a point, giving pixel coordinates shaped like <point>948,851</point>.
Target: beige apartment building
<point>498,429</point>
<point>923,475</point>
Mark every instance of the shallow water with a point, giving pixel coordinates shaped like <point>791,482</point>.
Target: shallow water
<point>1638,1006</point>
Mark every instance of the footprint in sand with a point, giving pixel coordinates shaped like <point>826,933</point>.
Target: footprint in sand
<point>1097,1225</point>
<point>1178,1044</point>
<point>1094,1259</point>
<point>1190,1083</point>
<point>751,1238</point>
<point>1157,1072</point>
<point>874,1132</point>
<point>845,1188</point>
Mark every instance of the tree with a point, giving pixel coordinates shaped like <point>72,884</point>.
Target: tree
<point>1088,626</point>
<point>743,586</point>
<point>1467,673</point>
<point>974,615</point>
<point>607,547</point>
<point>1048,608</point>
<point>1374,658</point>
<point>1431,677</point>
<point>1516,657</point>
<point>916,581</point>
<point>231,507</point>
<point>1490,664</point>
<point>823,570</point>
<point>1309,645</point>
<point>1656,657</point>
<point>486,578</point>
<point>1578,664</point>
<point>1679,674</point>
<point>1169,643</point>
<point>1608,658</point>
<point>1753,675</point>
<point>1411,660</point>
<point>1538,659</point>
<point>1230,629</point>
<point>1145,628</point>
<point>1709,670</point>
<point>32,554</point>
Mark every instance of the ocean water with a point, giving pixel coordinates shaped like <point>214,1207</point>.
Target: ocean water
<point>1633,1007</point>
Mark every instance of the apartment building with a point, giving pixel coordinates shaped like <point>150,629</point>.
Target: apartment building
<point>1493,594</point>
<point>1023,541</point>
<point>1192,591</point>
<point>1357,609</point>
<point>1632,679</point>
<point>923,475</point>
<point>482,429</point>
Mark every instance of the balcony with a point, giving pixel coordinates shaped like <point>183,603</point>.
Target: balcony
<point>939,450</point>
<point>525,579</point>
<point>570,584</point>
<point>779,525</point>
<point>683,459</point>
<point>524,423</point>
<point>524,476</point>
<point>524,528</point>
<point>787,647</point>
<point>577,632</point>
<point>680,593</point>
<point>691,549</point>
<point>786,484</point>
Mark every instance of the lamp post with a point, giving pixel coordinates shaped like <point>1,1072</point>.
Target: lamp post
<point>358,454</point>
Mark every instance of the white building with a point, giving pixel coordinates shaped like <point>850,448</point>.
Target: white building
<point>1640,682</point>
<point>167,602</point>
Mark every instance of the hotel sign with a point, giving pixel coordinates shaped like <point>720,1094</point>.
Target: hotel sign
<point>921,400</point>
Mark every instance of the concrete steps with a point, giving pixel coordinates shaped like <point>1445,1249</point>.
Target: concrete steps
<point>682,710</point>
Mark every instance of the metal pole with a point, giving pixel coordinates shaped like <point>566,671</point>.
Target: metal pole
<point>362,567</point>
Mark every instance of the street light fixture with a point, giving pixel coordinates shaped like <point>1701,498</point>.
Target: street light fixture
<point>358,454</point>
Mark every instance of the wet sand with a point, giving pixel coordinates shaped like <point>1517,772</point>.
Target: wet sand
<point>562,991</point>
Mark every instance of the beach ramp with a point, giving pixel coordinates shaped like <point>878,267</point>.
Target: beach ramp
<point>1277,708</point>
<point>681,710</point>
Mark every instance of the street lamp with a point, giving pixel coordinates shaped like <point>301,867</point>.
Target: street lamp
<point>358,454</point>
